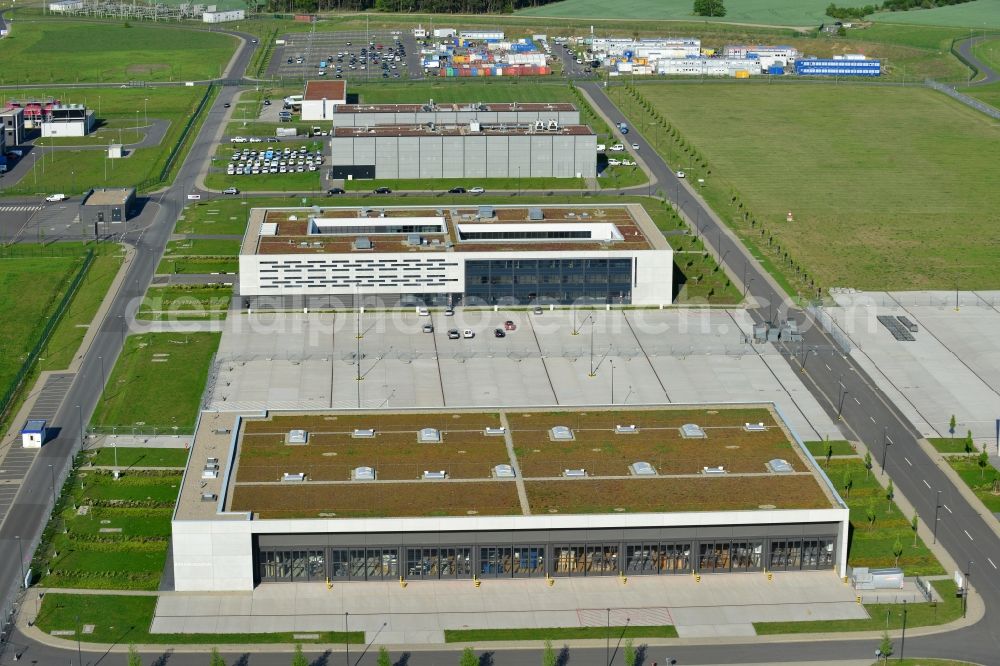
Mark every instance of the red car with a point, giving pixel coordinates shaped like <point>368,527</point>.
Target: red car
<point>509,326</point>
<point>378,47</point>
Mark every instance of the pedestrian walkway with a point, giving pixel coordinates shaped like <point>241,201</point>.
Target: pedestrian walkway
<point>19,209</point>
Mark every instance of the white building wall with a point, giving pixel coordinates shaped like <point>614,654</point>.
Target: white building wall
<point>64,128</point>
<point>223,17</point>
<point>213,555</point>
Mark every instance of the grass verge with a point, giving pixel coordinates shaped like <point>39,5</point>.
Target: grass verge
<point>948,444</point>
<point>836,447</point>
<point>127,619</point>
<point>984,481</point>
<point>157,381</point>
<point>556,633</point>
<point>128,456</point>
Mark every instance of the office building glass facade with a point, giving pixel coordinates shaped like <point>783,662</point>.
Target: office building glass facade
<point>564,281</point>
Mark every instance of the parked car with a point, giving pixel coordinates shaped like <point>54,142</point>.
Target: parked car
<point>635,146</point>
<point>617,148</point>
<point>382,190</point>
<point>226,105</point>
<point>680,174</point>
<point>230,190</point>
<point>428,328</point>
<point>509,325</point>
<point>476,190</point>
<point>453,334</point>
<point>498,333</point>
<point>538,309</point>
<point>468,334</point>
<point>614,162</point>
<point>423,312</point>
<point>457,190</point>
<point>334,191</point>
<point>449,312</point>
<point>52,198</point>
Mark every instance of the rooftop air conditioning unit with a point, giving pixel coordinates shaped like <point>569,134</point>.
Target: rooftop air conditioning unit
<point>434,476</point>
<point>364,433</point>
<point>495,431</point>
<point>561,433</point>
<point>755,427</point>
<point>626,429</point>
<point>713,471</point>
<point>293,476</point>
<point>574,473</point>
<point>553,125</point>
<point>503,472</point>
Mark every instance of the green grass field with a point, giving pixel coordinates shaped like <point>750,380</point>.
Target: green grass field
<point>871,545</point>
<point>840,448</point>
<point>981,480</point>
<point>39,51</point>
<point>948,444</point>
<point>557,633</point>
<point>771,12</point>
<point>189,265</point>
<point>126,619</point>
<point>185,302</point>
<point>128,456</point>
<point>221,216</point>
<point>979,14</point>
<point>202,247</point>
<point>157,382</point>
<point>918,212</point>
<point>74,171</point>
<point>989,93</point>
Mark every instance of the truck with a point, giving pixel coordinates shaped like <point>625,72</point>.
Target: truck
<point>623,128</point>
<point>286,131</point>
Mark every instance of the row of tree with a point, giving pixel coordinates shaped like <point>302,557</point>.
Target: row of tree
<point>887,6</point>
<point>404,6</point>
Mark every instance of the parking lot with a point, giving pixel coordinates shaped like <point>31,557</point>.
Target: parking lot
<point>310,361</point>
<point>255,160</point>
<point>353,56</point>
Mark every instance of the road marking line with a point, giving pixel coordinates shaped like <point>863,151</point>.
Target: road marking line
<point>828,369</point>
<point>926,484</point>
<point>991,563</point>
<point>872,418</point>
<point>857,401</point>
<point>907,461</point>
<point>968,535</point>
<point>946,507</point>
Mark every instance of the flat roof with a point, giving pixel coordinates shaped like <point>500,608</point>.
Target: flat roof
<point>33,426</point>
<point>109,196</point>
<point>330,90</point>
<point>459,130</point>
<point>290,230</point>
<point>728,470</point>
<point>463,106</point>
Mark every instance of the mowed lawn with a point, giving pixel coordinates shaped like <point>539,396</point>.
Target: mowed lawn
<point>157,381</point>
<point>979,14</point>
<point>771,12</point>
<point>890,188</point>
<point>65,51</point>
<point>46,279</point>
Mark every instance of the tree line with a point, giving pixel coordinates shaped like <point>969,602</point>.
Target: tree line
<point>887,6</point>
<point>403,6</point>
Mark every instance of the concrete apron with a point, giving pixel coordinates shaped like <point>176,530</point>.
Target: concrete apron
<point>419,613</point>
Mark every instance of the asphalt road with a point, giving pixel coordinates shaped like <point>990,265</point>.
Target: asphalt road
<point>833,378</point>
<point>988,75</point>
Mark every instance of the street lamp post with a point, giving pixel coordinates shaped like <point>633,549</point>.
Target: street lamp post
<point>20,552</point>
<point>104,379</point>
<point>612,382</point>
<point>840,408</point>
<point>902,640</point>
<point>968,588</point>
<point>607,642</point>
<point>886,443</point>
<point>52,479</point>
<point>937,506</point>
<point>347,643</point>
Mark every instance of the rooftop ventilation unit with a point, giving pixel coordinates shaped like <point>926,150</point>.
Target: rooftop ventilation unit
<point>755,427</point>
<point>212,461</point>
<point>553,125</point>
<point>209,473</point>
<point>692,431</point>
<point>503,472</point>
<point>429,436</point>
<point>362,243</point>
<point>713,471</point>
<point>780,466</point>
<point>493,432</point>
<point>642,469</point>
<point>363,433</point>
<point>561,434</point>
<point>363,474</point>
<point>487,212</point>
<point>626,429</point>
<point>539,125</point>
<point>414,239</point>
<point>574,473</point>
<point>474,126</point>
<point>290,476</point>
<point>298,437</point>
<point>434,476</point>
<point>535,214</point>
<point>209,497</point>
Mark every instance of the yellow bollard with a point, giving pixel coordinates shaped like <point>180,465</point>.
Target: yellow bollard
<point>623,577</point>
<point>549,580</point>
<point>476,581</point>
<point>329,584</point>
<point>770,577</point>
<point>859,598</point>
<point>402,583</point>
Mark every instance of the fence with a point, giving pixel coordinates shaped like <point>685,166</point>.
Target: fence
<point>181,141</point>
<point>964,99</point>
<point>831,327</point>
<point>43,338</point>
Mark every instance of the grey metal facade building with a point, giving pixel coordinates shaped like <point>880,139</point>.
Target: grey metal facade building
<point>356,115</point>
<point>460,152</point>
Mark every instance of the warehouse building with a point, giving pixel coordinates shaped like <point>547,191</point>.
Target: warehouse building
<point>368,496</point>
<point>476,150</point>
<point>68,120</point>
<point>508,255</point>
<point>367,115</point>
<point>708,67</point>
<point>321,98</point>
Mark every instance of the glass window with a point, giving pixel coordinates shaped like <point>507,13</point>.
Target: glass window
<point>676,558</point>
<point>642,558</point>
<point>338,563</point>
<point>529,561</point>
<point>316,565</point>
<point>496,561</point>
<point>569,560</point>
<point>747,555</point>
<point>602,560</point>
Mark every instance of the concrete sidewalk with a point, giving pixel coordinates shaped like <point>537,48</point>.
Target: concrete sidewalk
<point>420,612</point>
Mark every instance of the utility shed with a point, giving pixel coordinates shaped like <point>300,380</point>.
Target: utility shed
<point>108,205</point>
<point>33,434</point>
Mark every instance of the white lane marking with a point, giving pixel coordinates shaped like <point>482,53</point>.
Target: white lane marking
<point>991,563</point>
<point>926,484</point>
<point>828,368</point>
<point>872,418</point>
<point>949,510</point>
<point>907,461</point>
<point>968,535</point>
<point>857,401</point>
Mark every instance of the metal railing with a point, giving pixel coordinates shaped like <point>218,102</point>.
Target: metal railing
<point>970,102</point>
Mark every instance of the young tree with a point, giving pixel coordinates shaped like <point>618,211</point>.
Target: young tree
<point>549,657</point>
<point>951,426</point>
<point>216,658</point>
<point>913,526</point>
<point>709,8</point>
<point>629,652</point>
<point>133,656</point>
<point>469,658</point>
<point>383,657</point>
<point>868,463</point>
<point>829,452</point>
<point>871,515</point>
<point>969,444</point>
<point>848,481</point>
<point>984,462</point>
<point>890,492</point>
<point>885,647</point>
<point>897,549</point>
<point>298,658</point>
